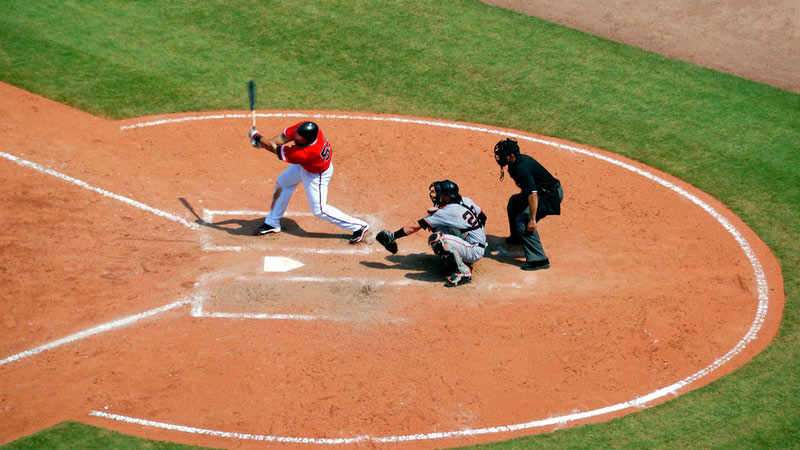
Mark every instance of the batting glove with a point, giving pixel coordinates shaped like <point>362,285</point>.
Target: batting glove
<point>255,138</point>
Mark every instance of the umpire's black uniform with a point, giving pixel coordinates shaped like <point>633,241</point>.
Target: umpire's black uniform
<point>531,177</point>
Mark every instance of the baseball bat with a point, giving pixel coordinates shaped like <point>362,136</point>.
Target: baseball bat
<point>251,89</point>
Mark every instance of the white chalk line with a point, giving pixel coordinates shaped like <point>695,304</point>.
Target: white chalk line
<point>201,295</point>
<point>210,214</point>
<point>468,432</point>
<point>639,402</point>
<point>95,330</point>
<point>42,169</point>
<point>204,239</point>
<point>369,281</point>
<point>198,310</point>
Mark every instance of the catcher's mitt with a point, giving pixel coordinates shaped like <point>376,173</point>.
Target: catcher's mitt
<point>386,239</point>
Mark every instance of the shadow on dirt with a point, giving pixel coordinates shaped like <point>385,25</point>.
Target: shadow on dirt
<point>503,253</point>
<point>421,266</point>
<point>245,227</point>
<point>428,267</point>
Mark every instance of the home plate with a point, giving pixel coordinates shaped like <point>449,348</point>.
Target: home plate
<point>280,264</point>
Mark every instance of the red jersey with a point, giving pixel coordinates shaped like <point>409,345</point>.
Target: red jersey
<point>314,157</point>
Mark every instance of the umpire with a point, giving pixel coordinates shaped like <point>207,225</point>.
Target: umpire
<point>539,192</point>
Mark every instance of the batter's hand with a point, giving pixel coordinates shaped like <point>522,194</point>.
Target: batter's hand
<point>387,240</point>
<point>255,137</point>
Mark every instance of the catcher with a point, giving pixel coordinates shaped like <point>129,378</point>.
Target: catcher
<point>456,223</point>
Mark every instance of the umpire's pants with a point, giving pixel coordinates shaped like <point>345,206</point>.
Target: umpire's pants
<point>519,215</point>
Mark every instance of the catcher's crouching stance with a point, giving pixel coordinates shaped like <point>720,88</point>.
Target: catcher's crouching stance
<point>458,236</point>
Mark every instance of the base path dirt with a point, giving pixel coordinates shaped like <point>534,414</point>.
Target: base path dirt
<point>754,40</point>
<point>135,297</point>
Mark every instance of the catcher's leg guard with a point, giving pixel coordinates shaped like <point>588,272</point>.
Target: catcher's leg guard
<point>450,257</point>
<point>436,242</point>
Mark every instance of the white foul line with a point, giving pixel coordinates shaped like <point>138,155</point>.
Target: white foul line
<point>126,200</point>
<point>639,402</point>
<point>95,330</point>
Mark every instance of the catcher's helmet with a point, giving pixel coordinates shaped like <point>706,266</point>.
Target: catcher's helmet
<point>439,189</point>
<point>504,148</point>
<point>308,131</point>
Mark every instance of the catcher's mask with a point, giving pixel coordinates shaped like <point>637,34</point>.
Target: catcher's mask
<point>440,189</point>
<point>308,132</point>
<point>502,150</point>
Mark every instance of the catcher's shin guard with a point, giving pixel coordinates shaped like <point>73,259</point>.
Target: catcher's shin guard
<point>449,257</point>
<point>450,260</point>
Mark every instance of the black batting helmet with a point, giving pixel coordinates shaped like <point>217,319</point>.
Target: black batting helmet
<point>308,131</point>
<point>504,148</point>
<point>438,189</point>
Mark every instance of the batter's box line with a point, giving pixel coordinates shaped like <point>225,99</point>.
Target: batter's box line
<point>372,281</point>
<point>200,297</point>
<point>210,214</point>
<point>198,311</point>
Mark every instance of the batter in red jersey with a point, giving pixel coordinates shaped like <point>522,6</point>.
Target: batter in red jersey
<point>311,162</point>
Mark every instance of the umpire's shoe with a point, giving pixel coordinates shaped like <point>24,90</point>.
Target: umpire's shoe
<point>358,235</point>
<point>536,265</point>
<point>266,229</point>
<point>457,279</point>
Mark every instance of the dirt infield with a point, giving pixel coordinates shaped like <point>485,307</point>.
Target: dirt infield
<point>753,40</point>
<point>135,298</point>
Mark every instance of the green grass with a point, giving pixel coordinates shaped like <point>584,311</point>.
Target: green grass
<point>74,435</point>
<point>462,60</point>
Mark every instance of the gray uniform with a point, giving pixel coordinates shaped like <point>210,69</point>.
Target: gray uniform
<point>462,231</point>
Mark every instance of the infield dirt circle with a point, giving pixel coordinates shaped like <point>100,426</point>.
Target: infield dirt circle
<point>135,297</point>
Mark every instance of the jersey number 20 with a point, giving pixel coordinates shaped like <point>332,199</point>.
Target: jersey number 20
<point>469,217</point>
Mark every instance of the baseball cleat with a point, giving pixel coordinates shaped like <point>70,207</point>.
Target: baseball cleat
<point>536,265</point>
<point>266,229</point>
<point>358,235</point>
<point>457,279</point>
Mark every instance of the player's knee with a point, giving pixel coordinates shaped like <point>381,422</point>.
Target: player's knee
<point>436,241</point>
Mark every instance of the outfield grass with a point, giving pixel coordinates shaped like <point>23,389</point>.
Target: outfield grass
<point>74,435</point>
<point>462,60</point>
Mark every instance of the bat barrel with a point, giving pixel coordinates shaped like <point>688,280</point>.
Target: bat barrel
<point>251,90</point>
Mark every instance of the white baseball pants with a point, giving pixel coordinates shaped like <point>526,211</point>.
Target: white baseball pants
<point>469,253</point>
<point>316,185</point>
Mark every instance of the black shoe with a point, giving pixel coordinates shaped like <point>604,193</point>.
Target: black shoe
<point>457,279</point>
<point>266,229</point>
<point>511,240</point>
<point>358,236</point>
<point>536,265</point>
